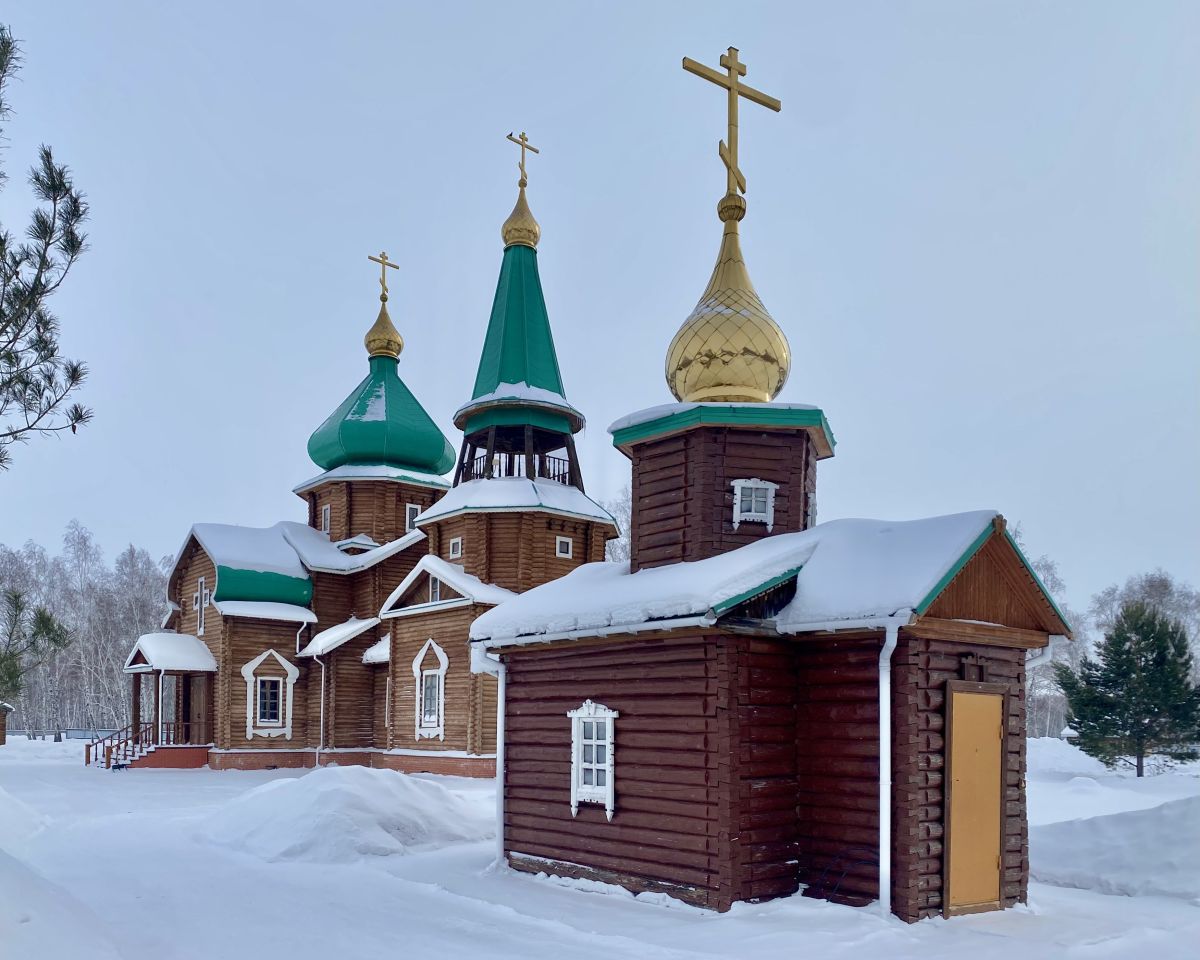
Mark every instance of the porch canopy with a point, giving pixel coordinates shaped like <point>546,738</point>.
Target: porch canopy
<point>170,653</point>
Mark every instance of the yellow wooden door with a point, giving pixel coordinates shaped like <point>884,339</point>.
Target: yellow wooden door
<point>975,796</point>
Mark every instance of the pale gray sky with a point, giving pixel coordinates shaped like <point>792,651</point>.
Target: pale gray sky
<point>976,222</point>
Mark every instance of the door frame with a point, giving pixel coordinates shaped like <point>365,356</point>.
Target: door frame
<point>970,686</point>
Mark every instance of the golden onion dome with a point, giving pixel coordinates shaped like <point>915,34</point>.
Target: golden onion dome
<point>729,349</point>
<point>383,339</point>
<point>520,227</point>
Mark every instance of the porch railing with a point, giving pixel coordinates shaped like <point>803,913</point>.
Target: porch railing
<point>132,741</point>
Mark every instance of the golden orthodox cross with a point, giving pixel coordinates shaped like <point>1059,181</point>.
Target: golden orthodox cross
<point>384,263</point>
<point>523,142</point>
<point>735,69</point>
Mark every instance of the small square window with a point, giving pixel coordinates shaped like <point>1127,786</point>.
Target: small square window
<point>564,547</point>
<point>754,501</point>
<point>455,548</point>
<point>411,512</point>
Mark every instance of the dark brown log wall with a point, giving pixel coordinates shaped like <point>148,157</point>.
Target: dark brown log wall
<point>837,766</point>
<point>675,820</point>
<point>683,501</point>
<point>920,670</point>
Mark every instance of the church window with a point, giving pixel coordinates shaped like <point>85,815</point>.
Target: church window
<point>455,548</point>
<point>754,502</point>
<point>270,691</point>
<point>325,518</point>
<point>435,590</point>
<point>200,600</point>
<point>564,547</point>
<point>429,673</point>
<point>411,512</point>
<point>593,732</point>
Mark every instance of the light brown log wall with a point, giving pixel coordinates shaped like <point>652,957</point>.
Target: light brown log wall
<point>373,507</point>
<point>246,639</point>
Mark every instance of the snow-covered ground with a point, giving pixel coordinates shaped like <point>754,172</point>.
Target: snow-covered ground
<point>350,863</point>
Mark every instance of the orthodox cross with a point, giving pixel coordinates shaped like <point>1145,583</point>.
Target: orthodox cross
<point>384,263</point>
<point>731,82</point>
<point>523,142</point>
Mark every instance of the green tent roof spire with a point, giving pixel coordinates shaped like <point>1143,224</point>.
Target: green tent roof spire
<point>518,381</point>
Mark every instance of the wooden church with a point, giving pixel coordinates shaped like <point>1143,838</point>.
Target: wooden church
<point>757,703</point>
<point>345,639</point>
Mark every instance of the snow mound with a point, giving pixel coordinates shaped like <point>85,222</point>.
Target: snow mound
<point>39,919</point>
<point>342,814</point>
<point>18,821</point>
<point>1142,853</point>
<point>1049,755</point>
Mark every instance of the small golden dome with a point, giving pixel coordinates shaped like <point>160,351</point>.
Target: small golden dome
<point>730,349</point>
<point>520,227</point>
<point>383,339</point>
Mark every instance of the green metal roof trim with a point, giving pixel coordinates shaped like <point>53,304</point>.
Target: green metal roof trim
<point>235,584</point>
<point>381,422</point>
<point>519,347</point>
<point>726,605</point>
<point>519,416</point>
<point>757,415</point>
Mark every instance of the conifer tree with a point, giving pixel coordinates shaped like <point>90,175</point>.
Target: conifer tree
<point>1137,698</point>
<point>35,381</point>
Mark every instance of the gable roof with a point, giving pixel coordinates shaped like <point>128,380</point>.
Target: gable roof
<point>170,651</point>
<point>453,575</point>
<point>844,570</point>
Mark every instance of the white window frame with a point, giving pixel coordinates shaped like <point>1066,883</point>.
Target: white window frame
<point>200,600</point>
<point>258,701</point>
<point>435,590</point>
<point>424,730</point>
<point>558,547</point>
<point>411,512</point>
<point>752,486</point>
<point>387,700</point>
<point>325,512</point>
<point>583,717</point>
<point>455,551</point>
<point>291,673</point>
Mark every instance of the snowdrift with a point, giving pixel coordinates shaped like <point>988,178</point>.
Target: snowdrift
<point>1049,756</point>
<point>1153,852</point>
<point>342,814</point>
<point>18,822</point>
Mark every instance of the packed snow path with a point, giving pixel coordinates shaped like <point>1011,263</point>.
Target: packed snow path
<point>140,865</point>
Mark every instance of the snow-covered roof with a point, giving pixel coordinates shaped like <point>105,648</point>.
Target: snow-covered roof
<point>670,409</point>
<point>316,552</point>
<point>360,542</point>
<point>455,577</point>
<point>382,471</point>
<point>334,637</point>
<point>844,570</point>
<point>265,610</point>
<point>501,494</point>
<point>7,707</point>
<point>522,393</point>
<point>378,652</point>
<point>249,548</point>
<point>171,651</point>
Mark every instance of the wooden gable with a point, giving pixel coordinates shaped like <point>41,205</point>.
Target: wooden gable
<point>418,593</point>
<point>995,586</point>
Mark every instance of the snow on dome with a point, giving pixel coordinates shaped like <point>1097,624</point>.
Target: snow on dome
<point>517,493</point>
<point>844,569</point>
<point>334,637</point>
<point>342,814</point>
<point>374,471</point>
<point>522,393</point>
<point>249,548</point>
<point>170,651</point>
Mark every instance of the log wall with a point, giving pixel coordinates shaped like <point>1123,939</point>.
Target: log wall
<point>683,501</point>
<point>373,507</point>
<point>245,640</point>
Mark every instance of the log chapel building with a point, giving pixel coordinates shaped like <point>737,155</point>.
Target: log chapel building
<point>345,638</point>
<point>757,703</point>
